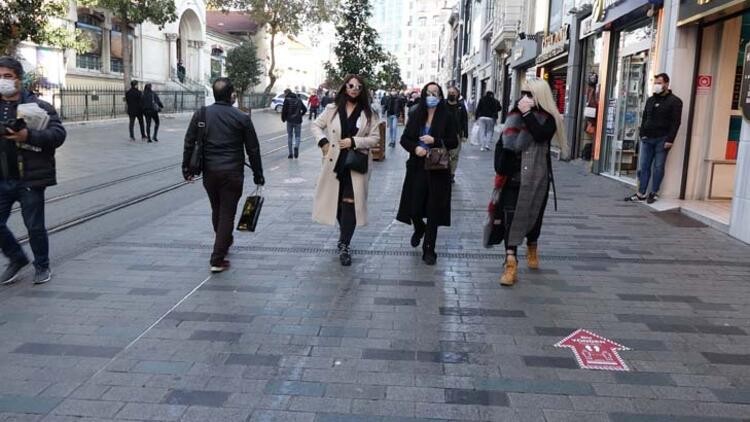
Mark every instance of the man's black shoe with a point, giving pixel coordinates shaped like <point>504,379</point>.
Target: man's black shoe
<point>11,271</point>
<point>652,197</point>
<point>296,152</point>
<point>220,266</point>
<point>290,156</point>
<point>42,276</point>
<point>635,198</point>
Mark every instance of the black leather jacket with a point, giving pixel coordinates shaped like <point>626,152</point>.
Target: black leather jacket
<point>36,156</point>
<point>230,134</point>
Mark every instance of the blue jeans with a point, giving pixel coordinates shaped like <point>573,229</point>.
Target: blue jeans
<point>32,210</point>
<point>652,153</point>
<point>393,128</point>
<point>293,133</point>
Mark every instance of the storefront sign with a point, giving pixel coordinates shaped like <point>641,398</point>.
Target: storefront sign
<point>524,53</point>
<point>607,11</point>
<point>703,84</point>
<point>593,351</point>
<point>600,7</point>
<point>554,44</point>
<point>695,10</point>
<point>611,108</point>
<point>745,89</point>
<point>587,27</point>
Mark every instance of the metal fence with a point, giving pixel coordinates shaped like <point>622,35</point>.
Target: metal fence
<point>255,101</point>
<point>75,104</point>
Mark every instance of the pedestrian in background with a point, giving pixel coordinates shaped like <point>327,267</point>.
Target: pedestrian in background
<point>229,135</point>
<point>345,128</point>
<point>522,159</point>
<point>27,168</point>
<point>134,100</point>
<point>661,120</point>
<point>458,110</point>
<point>152,105</point>
<point>314,103</point>
<point>427,193</point>
<point>327,99</point>
<point>291,113</point>
<point>393,108</point>
<point>487,113</point>
<point>181,71</point>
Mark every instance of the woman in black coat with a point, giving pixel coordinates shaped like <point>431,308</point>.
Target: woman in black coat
<point>427,193</point>
<point>151,107</point>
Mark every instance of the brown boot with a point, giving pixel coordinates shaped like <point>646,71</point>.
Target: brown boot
<point>532,256</point>
<point>510,276</point>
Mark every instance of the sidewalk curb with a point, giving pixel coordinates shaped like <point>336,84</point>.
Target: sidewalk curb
<point>126,119</point>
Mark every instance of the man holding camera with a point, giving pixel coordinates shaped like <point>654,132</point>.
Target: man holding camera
<point>227,135</point>
<point>27,167</point>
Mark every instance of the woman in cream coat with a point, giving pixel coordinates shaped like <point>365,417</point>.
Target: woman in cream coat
<point>346,125</point>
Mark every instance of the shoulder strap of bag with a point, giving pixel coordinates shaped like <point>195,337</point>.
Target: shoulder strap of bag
<point>201,125</point>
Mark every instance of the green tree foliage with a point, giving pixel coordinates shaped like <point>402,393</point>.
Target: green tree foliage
<point>357,50</point>
<point>288,17</point>
<point>32,20</point>
<point>389,75</point>
<point>135,12</point>
<point>244,67</point>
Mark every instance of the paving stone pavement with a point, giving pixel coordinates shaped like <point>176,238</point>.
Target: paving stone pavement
<point>137,329</point>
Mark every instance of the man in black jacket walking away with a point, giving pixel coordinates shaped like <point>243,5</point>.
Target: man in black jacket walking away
<point>292,113</point>
<point>134,99</point>
<point>661,121</point>
<point>487,113</point>
<point>27,167</point>
<point>228,135</point>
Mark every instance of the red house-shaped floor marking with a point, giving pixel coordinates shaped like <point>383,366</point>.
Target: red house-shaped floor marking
<point>593,351</point>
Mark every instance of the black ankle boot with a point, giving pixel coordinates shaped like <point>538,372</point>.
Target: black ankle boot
<point>416,238</point>
<point>296,153</point>
<point>344,255</point>
<point>428,255</point>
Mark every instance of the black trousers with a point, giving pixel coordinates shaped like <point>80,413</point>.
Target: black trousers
<point>152,115</point>
<point>347,215</point>
<point>430,232</point>
<point>224,191</point>
<point>140,124</point>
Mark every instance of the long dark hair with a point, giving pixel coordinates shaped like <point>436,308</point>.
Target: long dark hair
<point>363,100</point>
<point>147,88</point>
<point>420,114</point>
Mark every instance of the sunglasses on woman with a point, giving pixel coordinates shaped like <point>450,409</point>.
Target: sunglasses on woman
<point>354,87</point>
<point>527,94</point>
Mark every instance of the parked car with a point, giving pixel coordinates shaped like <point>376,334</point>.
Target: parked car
<point>278,101</point>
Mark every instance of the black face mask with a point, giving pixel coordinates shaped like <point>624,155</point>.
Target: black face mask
<point>452,98</point>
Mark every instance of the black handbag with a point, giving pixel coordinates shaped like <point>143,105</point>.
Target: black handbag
<point>356,161</point>
<point>250,212</point>
<point>196,157</point>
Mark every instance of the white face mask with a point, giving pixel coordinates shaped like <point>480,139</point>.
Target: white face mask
<point>8,87</point>
<point>658,88</point>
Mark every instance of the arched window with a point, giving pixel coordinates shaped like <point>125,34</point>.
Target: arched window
<point>115,42</point>
<point>217,57</point>
<point>89,23</point>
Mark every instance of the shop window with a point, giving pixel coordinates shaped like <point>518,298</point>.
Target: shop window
<point>91,32</point>
<point>116,62</point>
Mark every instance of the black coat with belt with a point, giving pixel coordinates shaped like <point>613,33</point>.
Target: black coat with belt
<point>427,193</point>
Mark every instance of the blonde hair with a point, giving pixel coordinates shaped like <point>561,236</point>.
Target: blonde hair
<point>542,93</point>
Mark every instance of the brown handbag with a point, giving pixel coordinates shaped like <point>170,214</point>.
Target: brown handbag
<point>437,159</point>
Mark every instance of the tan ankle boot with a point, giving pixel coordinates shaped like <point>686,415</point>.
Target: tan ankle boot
<point>533,257</point>
<point>511,271</point>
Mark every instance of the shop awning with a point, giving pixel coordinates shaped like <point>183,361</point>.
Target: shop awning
<point>692,11</point>
<point>553,59</point>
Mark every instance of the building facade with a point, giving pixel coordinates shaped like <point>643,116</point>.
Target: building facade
<point>420,52</point>
<point>600,58</point>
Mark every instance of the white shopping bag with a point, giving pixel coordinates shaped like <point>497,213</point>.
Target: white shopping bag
<point>474,138</point>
